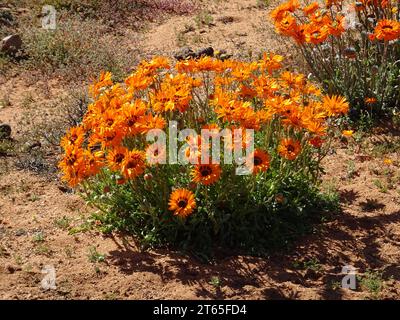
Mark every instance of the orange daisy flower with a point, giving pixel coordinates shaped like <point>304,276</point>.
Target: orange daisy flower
<point>115,157</point>
<point>260,161</point>
<point>371,100</point>
<point>347,133</point>
<point>289,148</point>
<point>133,164</point>
<point>182,202</point>
<point>316,142</point>
<point>387,30</point>
<point>206,174</point>
<point>74,137</point>
<point>335,105</point>
<point>286,25</point>
<point>315,33</point>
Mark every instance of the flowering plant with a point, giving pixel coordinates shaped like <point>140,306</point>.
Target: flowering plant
<point>164,195</point>
<point>352,48</point>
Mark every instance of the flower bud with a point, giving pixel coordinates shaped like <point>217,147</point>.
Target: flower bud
<point>350,52</point>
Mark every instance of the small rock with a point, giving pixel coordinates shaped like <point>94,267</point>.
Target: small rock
<point>34,145</point>
<point>185,53</point>
<point>227,19</point>
<point>2,233</point>
<point>63,188</point>
<point>11,44</point>
<point>20,232</point>
<point>6,17</point>
<point>22,10</point>
<point>5,131</point>
<point>312,274</point>
<point>209,51</point>
<point>11,269</point>
<point>222,54</point>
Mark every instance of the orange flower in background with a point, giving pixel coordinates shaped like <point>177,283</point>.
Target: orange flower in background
<point>289,148</point>
<point>204,63</point>
<point>120,181</point>
<point>347,133</point>
<point>387,30</point>
<point>298,33</point>
<point>155,63</point>
<point>371,100</point>
<point>315,33</point>
<point>315,126</point>
<point>337,27</point>
<point>371,37</point>
<point>316,142</point>
<point>206,174</point>
<point>260,161</point>
<point>133,164</point>
<point>293,79</point>
<point>335,105</point>
<point>182,202</point>
<point>242,71</point>
<point>387,161</point>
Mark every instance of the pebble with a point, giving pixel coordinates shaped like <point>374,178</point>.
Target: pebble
<point>11,44</point>
<point>5,131</point>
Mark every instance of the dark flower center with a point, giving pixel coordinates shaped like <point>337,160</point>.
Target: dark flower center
<point>182,203</point>
<point>290,148</point>
<point>110,137</point>
<point>132,164</point>
<point>205,171</point>
<point>73,138</point>
<point>71,160</point>
<point>119,157</point>
<point>132,120</point>
<point>257,161</point>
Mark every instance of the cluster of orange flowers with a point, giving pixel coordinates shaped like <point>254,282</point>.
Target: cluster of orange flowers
<point>315,23</point>
<point>206,92</point>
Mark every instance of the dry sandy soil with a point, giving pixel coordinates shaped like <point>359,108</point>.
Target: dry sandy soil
<point>37,213</point>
